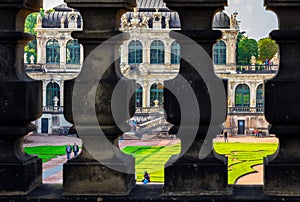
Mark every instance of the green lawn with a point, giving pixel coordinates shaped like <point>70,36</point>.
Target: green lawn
<point>46,153</point>
<point>243,156</point>
<point>151,159</point>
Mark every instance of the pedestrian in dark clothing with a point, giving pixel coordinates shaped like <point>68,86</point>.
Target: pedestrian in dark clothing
<point>68,151</point>
<point>75,149</point>
<point>146,178</point>
<point>225,137</point>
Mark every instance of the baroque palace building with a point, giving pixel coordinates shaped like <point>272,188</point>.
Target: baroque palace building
<point>150,57</point>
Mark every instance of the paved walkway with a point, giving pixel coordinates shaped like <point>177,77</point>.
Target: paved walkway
<point>52,170</point>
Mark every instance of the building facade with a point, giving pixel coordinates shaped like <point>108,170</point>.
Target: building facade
<point>150,57</point>
<point>59,58</point>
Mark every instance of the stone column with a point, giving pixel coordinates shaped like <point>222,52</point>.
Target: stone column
<point>84,175</point>
<point>21,101</point>
<point>191,175</point>
<point>145,94</point>
<point>63,49</point>
<point>282,170</point>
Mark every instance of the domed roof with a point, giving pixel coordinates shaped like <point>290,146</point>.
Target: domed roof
<point>148,7</point>
<point>54,19</point>
<point>221,21</point>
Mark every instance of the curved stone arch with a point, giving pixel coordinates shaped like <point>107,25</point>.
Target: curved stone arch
<point>218,60</point>
<point>46,47</point>
<point>235,88</point>
<point>54,93</point>
<point>140,44</point>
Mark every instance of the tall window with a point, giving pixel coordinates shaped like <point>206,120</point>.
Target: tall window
<point>139,96</point>
<point>259,98</point>
<point>156,93</point>
<point>175,53</point>
<point>242,96</point>
<point>220,53</point>
<point>73,52</point>
<point>52,52</point>
<point>135,52</point>
<point>52,90</point>
<point>157,52</point>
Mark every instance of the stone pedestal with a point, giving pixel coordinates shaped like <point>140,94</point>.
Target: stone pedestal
<point>20,101</point>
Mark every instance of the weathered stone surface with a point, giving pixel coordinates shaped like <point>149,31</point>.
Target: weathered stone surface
<point>84,175</point>
<point>20,101</point>
<point>281,170</point>
<point>190,175</point>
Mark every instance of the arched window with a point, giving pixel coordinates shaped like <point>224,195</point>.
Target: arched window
<point>52,90</point>
<point>242,97</point>
<point>157,52</point>
<point>156,93</point>
<point>220,53</point>
<point>73,52</point>
<point>175,53</point>
<point>52,52</point>
<point>139,96</point>
<point>259,98</point>
<point>135,52</point>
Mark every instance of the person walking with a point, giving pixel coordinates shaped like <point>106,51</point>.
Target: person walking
<point>225,137</point>
<point>75,149</point>
<point>68,151</point>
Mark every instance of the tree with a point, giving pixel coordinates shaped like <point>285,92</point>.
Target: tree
<point>29,27</point>
<point>267,49</point>
<point>246,48</point>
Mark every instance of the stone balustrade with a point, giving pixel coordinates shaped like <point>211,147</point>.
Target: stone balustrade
<point>189,178</point>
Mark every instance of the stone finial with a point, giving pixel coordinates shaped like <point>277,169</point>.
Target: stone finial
<point>167,22</point>
<point>157,19</point>
<point>156,103</point>
<point>253,60</point>
<point>144,23</point>
<point>39,21</point>
<point>31,59</point>
<point>135,20</point>
<point>55,100</point>
<point>234,23</point>
<point>25,58</point>
<point>124,23</point>
<point>62,22</point>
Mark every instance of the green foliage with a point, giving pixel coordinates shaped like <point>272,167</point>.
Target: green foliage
<point>29,27</point>
<point>243,156</point>
<point>246,48</point>
<point>267,49</point>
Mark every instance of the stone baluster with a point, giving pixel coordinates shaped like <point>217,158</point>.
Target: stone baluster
<point>282,170</point>
<point>190,174</point>
<point>83,174</point>
<point>20,98</point>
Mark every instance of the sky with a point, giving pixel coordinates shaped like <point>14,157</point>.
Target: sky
<point>255,20</point>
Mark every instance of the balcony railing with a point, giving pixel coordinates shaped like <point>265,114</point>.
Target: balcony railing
<point>53,109</point>
<point>52,68</point>
<point>247,69</point>
<point>240,110</point>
